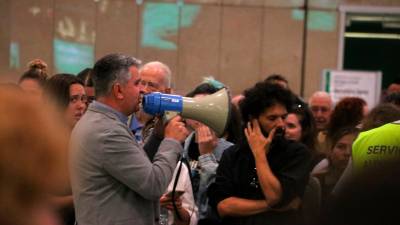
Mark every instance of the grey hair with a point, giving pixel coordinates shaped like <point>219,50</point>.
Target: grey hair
<point>110,69</point>
<point>165,69</point>
<point>321,94</point>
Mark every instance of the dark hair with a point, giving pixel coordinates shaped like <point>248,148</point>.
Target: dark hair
<point>334,138</point>
<point>86,77</point>
<point>348,112</point>
<point>396,80</point>
<point>307,123</point>
<point>233,129</point>
<point>381,114</point>
<point>203,88</point>
<point>276,79</point>
<point>234,123</point>
<point>57,89</point>
<point>262,96</point>
<point>393,98</point>
<point>37,70</point>
<point>111,68</point>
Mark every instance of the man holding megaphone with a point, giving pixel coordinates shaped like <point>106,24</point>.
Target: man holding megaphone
<point>113,180</point>
<point>155,77</point>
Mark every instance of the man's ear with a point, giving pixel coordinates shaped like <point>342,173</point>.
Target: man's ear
<point>117,91</point>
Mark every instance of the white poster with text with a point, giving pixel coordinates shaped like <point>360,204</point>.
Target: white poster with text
<point>363,84</point>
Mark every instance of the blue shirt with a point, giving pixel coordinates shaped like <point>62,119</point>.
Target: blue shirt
<point>136,127</point>
<point>121,116</point>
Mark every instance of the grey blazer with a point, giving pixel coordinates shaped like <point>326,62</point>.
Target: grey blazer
<point>113,180</point>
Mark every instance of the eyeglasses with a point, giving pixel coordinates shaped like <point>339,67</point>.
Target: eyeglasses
<point>151,85</point>
<point>75,98</point>
<point>319,108</point>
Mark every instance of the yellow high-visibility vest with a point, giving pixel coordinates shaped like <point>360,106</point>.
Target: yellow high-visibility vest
<point>374,147</point>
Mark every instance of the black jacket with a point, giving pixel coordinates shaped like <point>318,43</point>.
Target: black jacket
<point>236,177</point>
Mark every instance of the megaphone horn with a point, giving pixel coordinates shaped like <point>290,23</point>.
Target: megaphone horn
<point>212,110</point>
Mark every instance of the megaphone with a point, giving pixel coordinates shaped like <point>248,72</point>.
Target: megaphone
<point>212,110</point>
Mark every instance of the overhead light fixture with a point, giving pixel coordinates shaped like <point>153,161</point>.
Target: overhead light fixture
<point>391,25</point>
<point>372,35</point>
<point>367,18</point>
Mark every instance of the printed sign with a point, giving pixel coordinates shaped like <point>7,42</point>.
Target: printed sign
<point>363,84</point>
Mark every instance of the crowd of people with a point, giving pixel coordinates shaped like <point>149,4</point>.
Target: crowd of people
<point>79,149</point>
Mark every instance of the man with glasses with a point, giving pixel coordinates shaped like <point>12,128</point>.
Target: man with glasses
<point>156,77</point>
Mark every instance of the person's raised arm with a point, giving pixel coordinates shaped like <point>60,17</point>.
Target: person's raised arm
<point>259,146</point>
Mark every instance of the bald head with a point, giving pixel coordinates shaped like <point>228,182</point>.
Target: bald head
<point>156,77</point>
<point>321,106</point>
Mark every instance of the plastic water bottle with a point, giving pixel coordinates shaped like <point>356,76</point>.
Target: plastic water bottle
<point>163,219</point>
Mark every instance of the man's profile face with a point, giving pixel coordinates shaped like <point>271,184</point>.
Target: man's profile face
<point>321,108</point>
<point>153,80</point>
<point>132,91</point>
<point>273,116</point>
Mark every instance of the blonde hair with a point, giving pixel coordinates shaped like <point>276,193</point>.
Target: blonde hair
<point>38,64</point>
<point>37,70</point>
<point>32,155</point>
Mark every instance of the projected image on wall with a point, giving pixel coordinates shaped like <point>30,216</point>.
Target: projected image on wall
<point>72,57</point>
<point>73,43</point>
<point>160,23</point>
<point>14,61</point>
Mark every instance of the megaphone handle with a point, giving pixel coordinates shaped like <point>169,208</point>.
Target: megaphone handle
<point>168,115</point>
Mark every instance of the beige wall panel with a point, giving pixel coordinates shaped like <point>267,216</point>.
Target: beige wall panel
<point>4,38</point>
<point>158,34</point>
<point>161,1</point>
<point>209,2</point>
<point>267,3</point>
<point>244,2</point>
<point>75,23</point>
<point>31,33</point>
<point>199,49</point>
<point>116,29</point>
<point>372,2</point>
<point>322,50</point>
<point>282,47</point>
<point>240,62</point>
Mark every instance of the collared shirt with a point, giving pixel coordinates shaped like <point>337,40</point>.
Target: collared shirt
<point>121,116</point>
<point>136,127</point>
